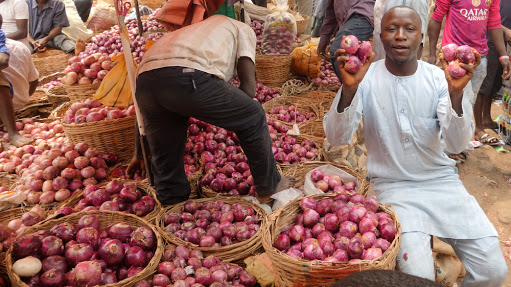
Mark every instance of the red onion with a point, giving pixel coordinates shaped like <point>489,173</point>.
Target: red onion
<point>78,253</point>
<point>52,245</point>
<point>112,251</point>
<point>88,273</point>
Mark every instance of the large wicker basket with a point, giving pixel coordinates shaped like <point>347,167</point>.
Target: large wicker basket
<point>298,172</point>
<point>233,253</point>
<point>301,105</point>
<point>50,61</point>
<point>301,25</point>
<point>81,92</point>
<point>113,136</point>
<point>299,272</point>
<point>273,70</point>
<point>106,218</point>
<point>8,180</point>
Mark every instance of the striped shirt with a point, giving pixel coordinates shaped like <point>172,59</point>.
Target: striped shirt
<point>212,46</point>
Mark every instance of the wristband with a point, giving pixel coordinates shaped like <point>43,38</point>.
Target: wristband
<point>503,57</point>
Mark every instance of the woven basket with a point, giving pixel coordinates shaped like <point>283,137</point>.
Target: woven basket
<point>8,180</point>
<point>301,24</point>
<point>300,171</point>
<point>273,70</point>
<point>301,104</point>
<point>50,62</point>
<point>59,111</point>
<point>57,95</point>
<point>295,87</point>
<point>145,188</point>
<point>49,78</point>
<point>314,130</point>
<point>81,92</point>
<point>233,253</point>
<point>299,139</point>
<point>4,276</point>
<point>105,218</point>
<point>194,181</point>
<point>300,272</point>
<point>112,136</point>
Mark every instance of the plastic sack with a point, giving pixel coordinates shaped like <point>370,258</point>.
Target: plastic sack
<point>284,197</point>
<point>115,89</point>
<point>306,61</point>
<point>76,29</point>
<point>254,200</point>
<point>11,199</point>
<point>330,170</point>
<point>103,18</point>
<point>279,31</point>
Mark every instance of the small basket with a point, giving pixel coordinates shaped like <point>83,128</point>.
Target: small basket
<point>106,218</point>
<point>301,24</point>
<point>81,92</point>
<point>50,62</point>
<point>57,95</point>
<point>8,180</point>
<point>112,136</point>
<point>299,272</point>
<point>301,104</point>
<point>273,70</point>
<point>49,78</point>
<point>144,187</point>
<point>298,172</point>
<point>233,253</point>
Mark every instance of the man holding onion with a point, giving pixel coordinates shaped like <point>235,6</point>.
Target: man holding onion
<point>408,107</point>
<point>185,74</point>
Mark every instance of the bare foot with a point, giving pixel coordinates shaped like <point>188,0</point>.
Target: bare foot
<point>79,47</point>
<point>491,125</point>
<point>478,134</point>
<point>284,183</point>
<point>17,140</point>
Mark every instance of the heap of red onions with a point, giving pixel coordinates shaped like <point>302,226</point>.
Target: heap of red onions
<point>16,226</point>
<point>87,70</point>
<point>287,150</point>
<point>290,115</point>
<point>328,76</point>
<point>344,228</point>
<point>182,267</point>
<point>331,183</point>
<point>212,224</point>
<point>90,110</point>
<point>86,255</point>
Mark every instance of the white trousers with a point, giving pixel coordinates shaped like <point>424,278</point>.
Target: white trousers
<point>482,258</point>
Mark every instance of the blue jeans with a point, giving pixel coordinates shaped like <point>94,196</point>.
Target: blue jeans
<point>356,25</point>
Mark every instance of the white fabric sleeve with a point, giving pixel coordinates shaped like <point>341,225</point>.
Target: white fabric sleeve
<point>246,42</point>
<point>20,8</point>
<point>340,127</point>
<point>456,130</point>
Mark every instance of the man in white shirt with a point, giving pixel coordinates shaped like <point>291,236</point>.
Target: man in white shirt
<point>15,19</point>
<point>409,107</point>
<point>21,73</point>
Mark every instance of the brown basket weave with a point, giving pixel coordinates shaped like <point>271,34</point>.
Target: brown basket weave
<point>299,272</point>
<point>194,181</point>
<point>301,24</point>
<point>314,131</point>
<point>60,110</point>
<point>300,171</point>
<point>301,104</point>
<point>50,61</point>
<point>49,78</point>
<point>8,180</point>
<point>4,276</point>
<point>106,218</point>
<point>57,95</point>
<point>273,70</point>
<point>81,92</point>
<point>295,87</point>
<point>333,88</point>
<point>233,253</point>
<point>113,136</point>
<point>145,188</point>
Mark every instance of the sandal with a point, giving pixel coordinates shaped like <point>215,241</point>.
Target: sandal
<point>456,158</point>
<point>487,139</point>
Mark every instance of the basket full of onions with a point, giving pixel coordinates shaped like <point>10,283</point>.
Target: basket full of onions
<point>85,249</point>
<point>229,229</point>
<point>318,239</point>
<point>291,110</point>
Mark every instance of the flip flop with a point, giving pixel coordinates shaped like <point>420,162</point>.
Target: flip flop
<point>456,158</point>
<point>487,139</point>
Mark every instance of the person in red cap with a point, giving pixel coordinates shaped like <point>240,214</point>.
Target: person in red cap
<point>185,74</point>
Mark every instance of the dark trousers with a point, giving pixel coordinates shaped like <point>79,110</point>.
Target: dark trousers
<point>356,25</point>
<point>168,97</point>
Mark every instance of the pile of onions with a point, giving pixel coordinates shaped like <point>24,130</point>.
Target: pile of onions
<point>182,267</point>
<point>258,27</point>
<point>328,76</point>
<point>90,110</point>
<point>55,173</point>
<point>346,228</point>
<point>83,254</point>
<point>116,196</point>
<point>87,70</point>
<point>212,224</point>
<point>16,226</point>
<point>120,173</point>
<point>52,84</point>
<point>263,93</point>
<point>287,150</point>
<point>331,183</point>
<point>290,115</point>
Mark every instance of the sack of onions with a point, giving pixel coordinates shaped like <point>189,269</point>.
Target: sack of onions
<point>85,249</point>
<point>132,197</point>
<point>228,228</point>
<point>181,266</point>
<point>321,238</point>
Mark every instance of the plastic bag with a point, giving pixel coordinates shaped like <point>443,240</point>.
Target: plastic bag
<point>306,61</point>
<point>330,170</point>
<point>279,31</point>
<point>284,197</point>
<point>76,29</point>
<point>11,199</point>
<point>103,18</point>
<point>115,89</point>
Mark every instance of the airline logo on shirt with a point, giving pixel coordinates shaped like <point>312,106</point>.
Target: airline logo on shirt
<point>476,13</point>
